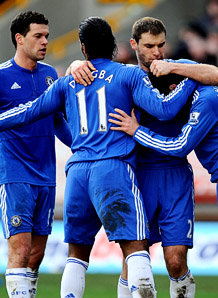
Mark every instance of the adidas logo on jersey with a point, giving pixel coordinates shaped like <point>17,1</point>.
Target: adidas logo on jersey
<point>15,86</point>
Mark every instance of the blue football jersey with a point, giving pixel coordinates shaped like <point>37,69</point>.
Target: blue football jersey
<point>147,157</point>
<point>27,154</point>
<point>115,86</point>
<point>199,133</point>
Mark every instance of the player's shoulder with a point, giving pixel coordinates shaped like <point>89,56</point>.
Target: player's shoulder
<point>117,66</point>
<point>123,66</point>
<point>212,94</point>
<point>131,67</point>
<point>45,67</point>
<point>121,72</point>
<point>134,70</point>
<point>206,94</point>
<point>207,90</point>
<point>5,66</point>
<point>65,81</point>
<point>6,72</point>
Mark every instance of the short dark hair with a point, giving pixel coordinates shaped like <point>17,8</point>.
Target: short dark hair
<point>96,34</point>
<point>21,23</point>
<point>145,25</point>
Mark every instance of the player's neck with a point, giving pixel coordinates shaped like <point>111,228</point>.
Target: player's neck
<point>145,68</point>
<point>142,66</point>
<point>24,62</point>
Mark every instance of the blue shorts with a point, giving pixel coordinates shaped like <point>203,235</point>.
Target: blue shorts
<point>168,195</point>
<point>26,208</point>
<point>103,193</point>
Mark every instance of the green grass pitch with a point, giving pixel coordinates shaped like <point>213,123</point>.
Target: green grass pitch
<point>104,285</point>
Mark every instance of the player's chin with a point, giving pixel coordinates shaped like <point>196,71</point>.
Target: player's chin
<point>41,55</point>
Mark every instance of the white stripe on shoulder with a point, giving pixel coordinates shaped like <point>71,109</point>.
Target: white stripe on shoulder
<point>6,64</point>
<point>43,63</point>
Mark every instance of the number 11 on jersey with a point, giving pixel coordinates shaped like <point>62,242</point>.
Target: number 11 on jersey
<point>102,110</point>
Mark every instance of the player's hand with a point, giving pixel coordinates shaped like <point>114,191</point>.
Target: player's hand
<point>81,71</point>
<point>160,68</point>
<point>125,123</point>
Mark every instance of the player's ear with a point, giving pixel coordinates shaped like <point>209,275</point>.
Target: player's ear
<point>172,87</point>
<point>133,44</point>
<point>83,49</point>
<point>19,38</point>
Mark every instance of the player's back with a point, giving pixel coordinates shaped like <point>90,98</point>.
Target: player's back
<point>87,110</point>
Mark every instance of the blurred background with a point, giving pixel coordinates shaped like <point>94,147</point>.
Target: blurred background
<point>192,32</point>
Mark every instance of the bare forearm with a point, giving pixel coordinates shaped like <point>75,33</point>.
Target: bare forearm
<point>203,73</point>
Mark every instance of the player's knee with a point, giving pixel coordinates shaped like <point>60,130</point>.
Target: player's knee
<point>19,257</point>
<point>176,266</point>
<point>131,246</point>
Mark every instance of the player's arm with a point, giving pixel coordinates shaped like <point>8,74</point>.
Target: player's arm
<point>81,71</point>
<point>202,119</point>
<point>52,100</point>
<point>203,73</point>
<point>191,135</point>
<point>160,106</point>
<point>62,130</point>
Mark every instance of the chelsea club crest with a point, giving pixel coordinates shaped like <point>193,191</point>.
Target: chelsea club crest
<point>16,221</point>
<point>49,80</point>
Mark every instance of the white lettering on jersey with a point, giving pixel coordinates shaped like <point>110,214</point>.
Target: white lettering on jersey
<point>109,79</point>
<point>95,74</point>
<point>102,75</point>
<point>72,84</point>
